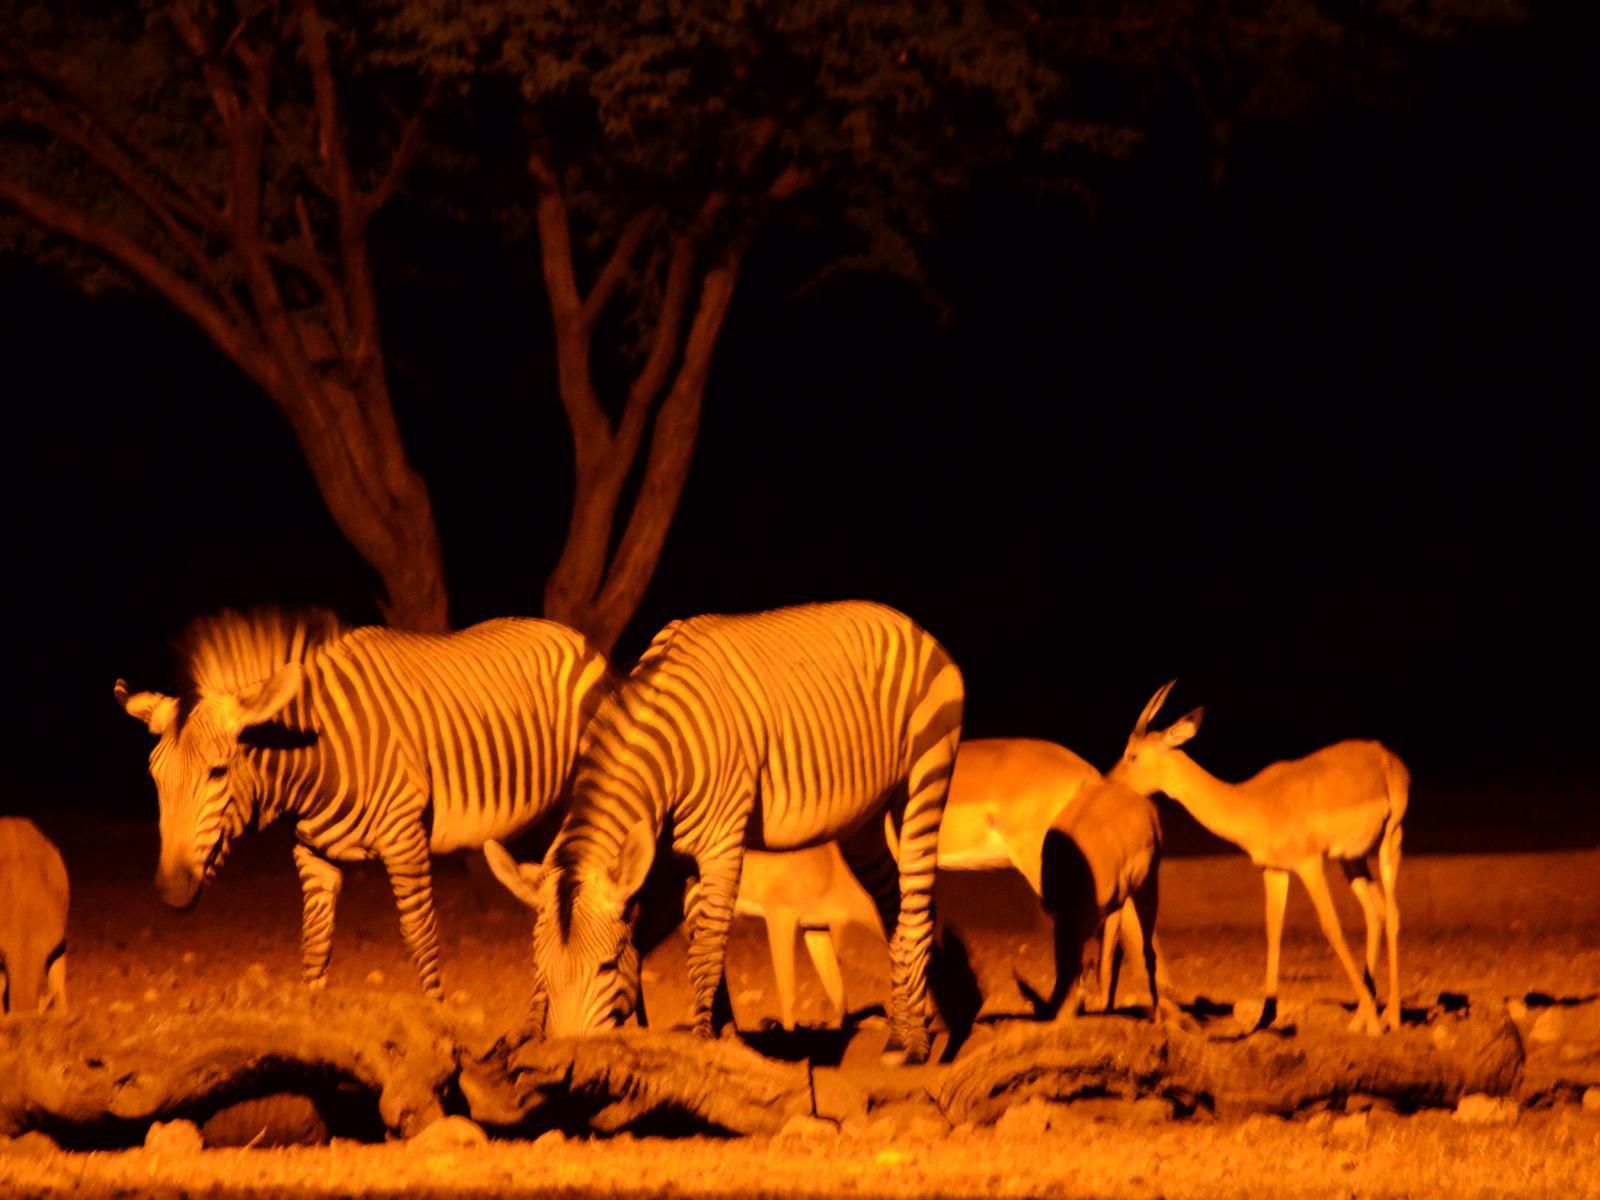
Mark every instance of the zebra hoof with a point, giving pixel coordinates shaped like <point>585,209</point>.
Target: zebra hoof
<point>319,984</point>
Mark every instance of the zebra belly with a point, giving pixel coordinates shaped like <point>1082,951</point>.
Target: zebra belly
<point>467,826</point>
<point>790,825</point>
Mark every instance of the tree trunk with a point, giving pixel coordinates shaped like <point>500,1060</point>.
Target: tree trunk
<point>593,588</point>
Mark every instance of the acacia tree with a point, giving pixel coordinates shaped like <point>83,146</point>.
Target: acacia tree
<point>659,135</point>
<point>655,140</point>
<point>205,150</point>
<point>639,145</point>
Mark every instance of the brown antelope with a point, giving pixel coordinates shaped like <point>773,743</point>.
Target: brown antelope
<point>812,891</point>
<point>1008,796</point>
<point>33,919</point>
<point>1098,872</point>
<point>1343,802</point>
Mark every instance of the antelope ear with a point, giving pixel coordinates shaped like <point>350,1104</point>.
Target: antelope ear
<point>266,699</point>
<point>1184,728</point>
<point>633,865</point>
<point>520,879</point>
<point>154,709</point>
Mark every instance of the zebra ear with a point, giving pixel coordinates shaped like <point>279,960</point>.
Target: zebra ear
<point>633,865</point>
<point>154,709</point>
<point>264,700</point>
<point>520,879</point>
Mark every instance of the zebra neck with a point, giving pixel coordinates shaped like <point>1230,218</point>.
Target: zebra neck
<point>290,781</point>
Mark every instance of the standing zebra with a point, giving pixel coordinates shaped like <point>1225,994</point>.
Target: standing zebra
<point>778,731</point>
<point>380,744</point>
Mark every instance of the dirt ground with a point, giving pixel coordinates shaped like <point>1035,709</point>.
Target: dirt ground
<point>1490,928</point>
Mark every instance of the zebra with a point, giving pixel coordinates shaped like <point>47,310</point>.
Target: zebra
<point>378,743</point>
<point>778,731</point>
<point>33,920</point>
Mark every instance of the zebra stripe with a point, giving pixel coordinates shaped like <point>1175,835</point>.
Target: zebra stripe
<point>778,731</point>
<point>378,743</point>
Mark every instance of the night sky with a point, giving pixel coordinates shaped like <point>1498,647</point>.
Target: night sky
<point>1313,441</point>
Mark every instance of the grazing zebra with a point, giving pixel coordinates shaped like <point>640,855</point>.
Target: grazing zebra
<point>33,919</point>
<point>778,731</point>
<point>378,743</point>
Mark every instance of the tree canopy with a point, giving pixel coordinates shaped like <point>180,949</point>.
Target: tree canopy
<point>233,155</point>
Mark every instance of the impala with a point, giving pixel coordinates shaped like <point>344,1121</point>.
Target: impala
<point>1344,802</point>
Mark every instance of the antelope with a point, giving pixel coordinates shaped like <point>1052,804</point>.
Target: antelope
<point>1343,802</point>
<point>812,891</point>
<point>1098,873</point>
<point>33,919</point>
<point>1011,800</point>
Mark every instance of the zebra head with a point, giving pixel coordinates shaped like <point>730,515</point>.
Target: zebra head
<point>586,968</point>
<point>205,784</point>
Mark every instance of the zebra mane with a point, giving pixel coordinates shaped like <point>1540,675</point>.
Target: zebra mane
<point>228,651</point>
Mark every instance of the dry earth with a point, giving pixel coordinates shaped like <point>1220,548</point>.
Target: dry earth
<point>1489,928</point>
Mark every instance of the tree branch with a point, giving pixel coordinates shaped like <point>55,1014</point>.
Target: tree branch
<point>106,154</point>
<point>617,265</point>
<point>233,340</point>
<point>667,468</point>
<point>404,152</point>
<point>178,196</point>
<point>663,349</point>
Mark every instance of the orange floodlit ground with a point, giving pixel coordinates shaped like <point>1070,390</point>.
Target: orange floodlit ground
<point>1486,928</point>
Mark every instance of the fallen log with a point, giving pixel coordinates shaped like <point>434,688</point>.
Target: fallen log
<point>96,1070</point>
<point>1270,1071</point>
<point>634,1078</point>
<point>1563,1043</point>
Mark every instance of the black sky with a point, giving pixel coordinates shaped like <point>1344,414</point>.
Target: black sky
<point>1314,441</point>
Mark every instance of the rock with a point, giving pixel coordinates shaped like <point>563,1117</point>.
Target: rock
<point>151,995</point>
<point>837,1097</point>
<point>1479,1109</point>
<point>174,1137</point>
<point>918,1119</point>
<point>1032,1119</point>
<point>450,1133</point>
<point>1256,1126</point>
<point>802,1126</point>
<point>1358,1102</point>
<point>1350,1128</point>
<point>253,983</point>
<point>119,1007</point>
<point>1550,1026</point>
<point>188,958</point>
<point>460,998</point>
<point>1248,1012</point>
<point>33,1144</point>
<point>283,1119</point>
<point>1591,1100</point>
<point>551,1139</point>
<point>376,978</point>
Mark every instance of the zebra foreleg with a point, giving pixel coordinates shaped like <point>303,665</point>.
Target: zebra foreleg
<point>710,919</point>
<point>320,882</point>
<point>411,876</point>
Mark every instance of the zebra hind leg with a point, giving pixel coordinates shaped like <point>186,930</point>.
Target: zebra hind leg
<point>320,882</point>
<point>411,877</point>
<point>867,854</point>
